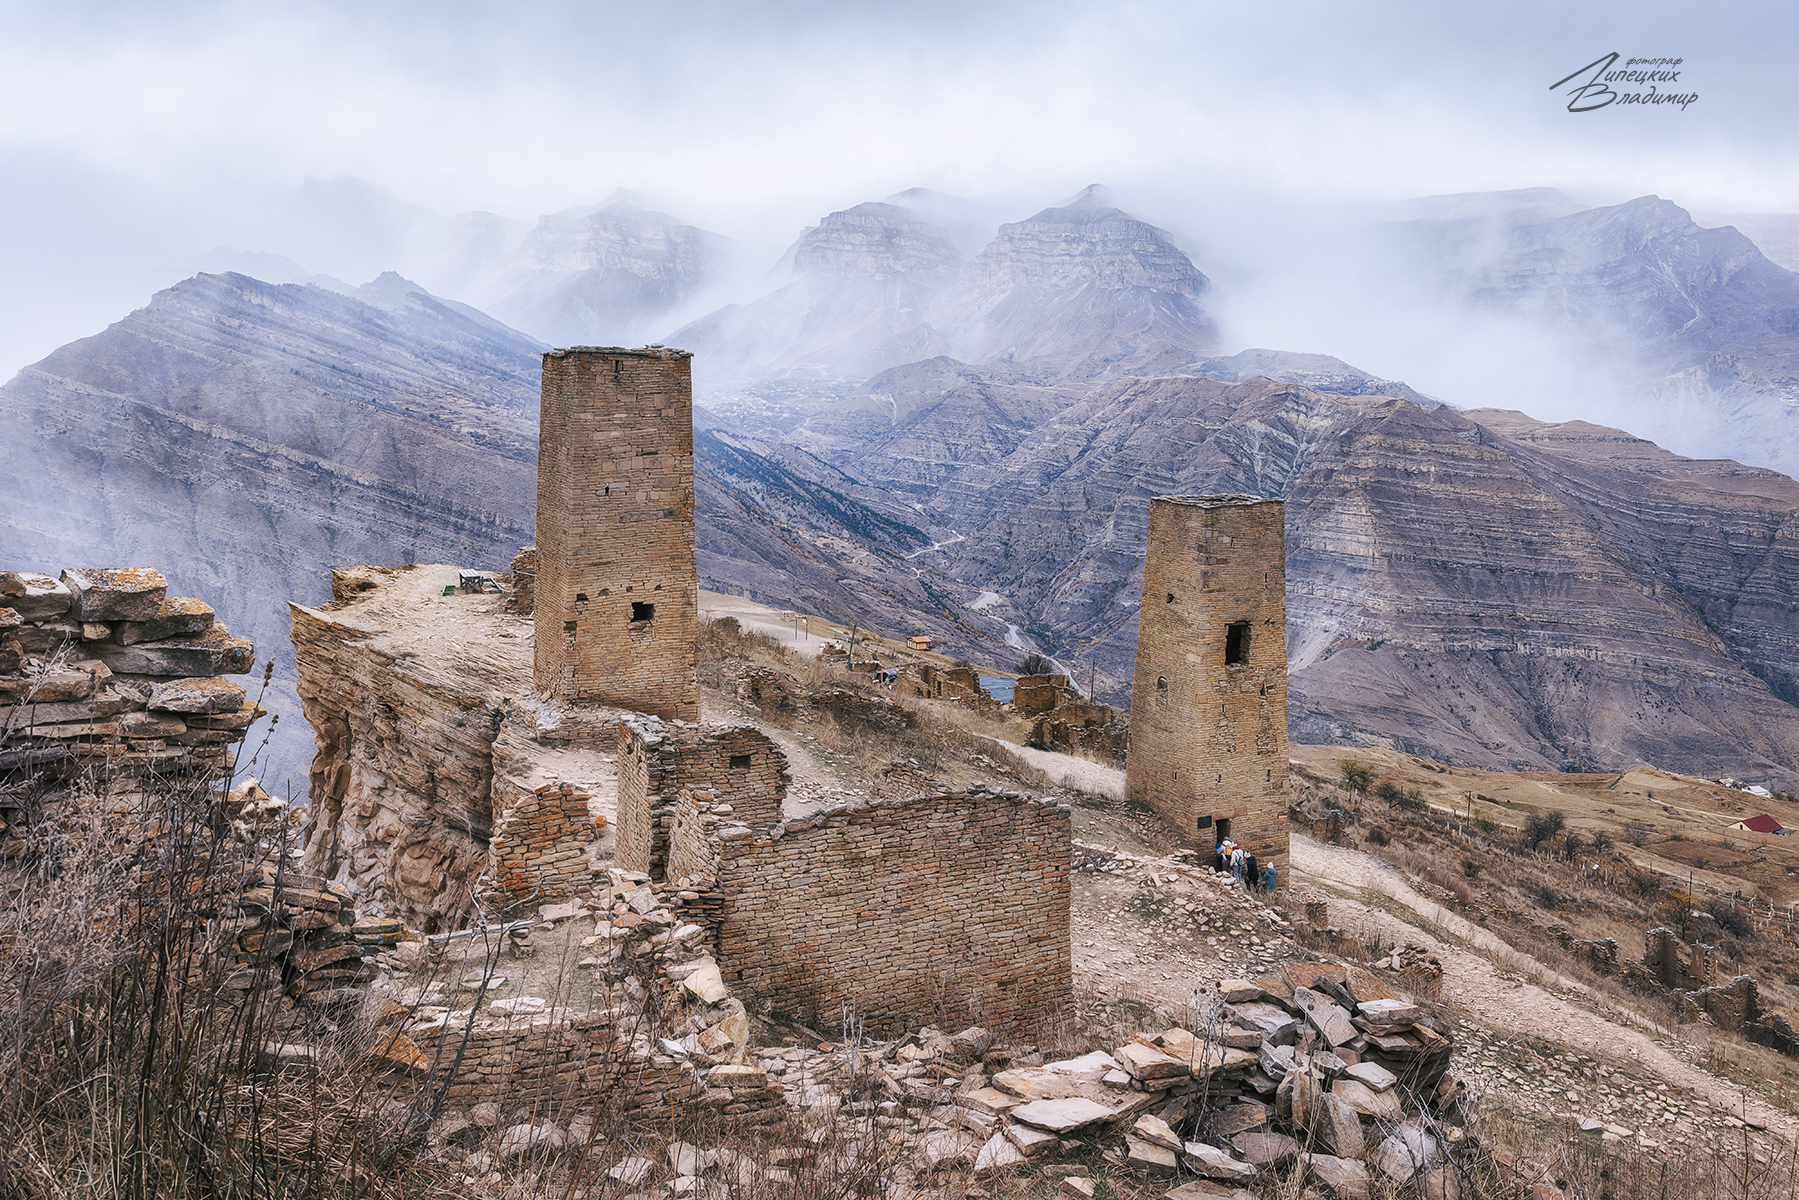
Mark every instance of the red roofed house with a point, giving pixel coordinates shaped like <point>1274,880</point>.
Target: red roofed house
<point>1760,824</point>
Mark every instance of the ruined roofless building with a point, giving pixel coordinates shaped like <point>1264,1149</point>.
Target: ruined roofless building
<point>617,607</point>
<point>1209,701</point>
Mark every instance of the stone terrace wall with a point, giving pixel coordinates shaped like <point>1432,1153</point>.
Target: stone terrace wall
<point>944,907</point>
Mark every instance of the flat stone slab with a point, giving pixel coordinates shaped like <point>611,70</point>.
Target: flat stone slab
<point>1156,1131</point>
<point>115,593</point>
<point>1031,1141</point>
<point>1064,1114</point>
<point>1205,1189</point>
<point>1239,1118</point>
<point>1384,1106</point>
<point>207,694</point>
<point>1373,1075</point>
<point>214,652</point>
<point>182,614</point>
<point>1326,1016</point>
<point>997,1156</point>
<point>1389,1012</point>
<point>1147,1158</point>
<point>1265,1149</point>
<point>949,1148</point>
<point>1270,1020</point>
<point>707,984</point>
<point>1239,991</point>
<point>1214,1163</point>
<point>1146,1063</point>
<point>1347,1180</point>
<point>41,598</point>
<point>1404,1152</point>
<point>989,1100</point>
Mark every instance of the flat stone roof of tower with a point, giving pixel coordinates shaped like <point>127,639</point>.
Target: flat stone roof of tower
<point>640,352</point>
<point>1219,501</point>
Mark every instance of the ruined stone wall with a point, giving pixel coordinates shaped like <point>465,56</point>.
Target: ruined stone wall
<point>538,853</point>
<point>617,591</point>
<point>739,762</point>
<point>1208,735</point>
<point>634,841</point>
<point>1034,695</point>
<point>943,907</point>
<point>694,845</point>
<point>523,600</point>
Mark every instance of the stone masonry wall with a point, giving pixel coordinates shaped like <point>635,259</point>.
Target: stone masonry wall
<point>943,907</point>
<point>617,591</point>
<point>635,837</point>
<point>539,846</point>
<point>1209,737</point>
<point>739,762</point>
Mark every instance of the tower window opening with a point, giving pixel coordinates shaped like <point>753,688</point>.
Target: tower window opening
<point>740,762</point>
<point>1171,597</point>
<point>1162,684</point>
<point>642,612</point>
<point>1236,643</point>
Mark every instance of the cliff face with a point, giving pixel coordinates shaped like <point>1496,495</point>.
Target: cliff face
<point>405,720</point>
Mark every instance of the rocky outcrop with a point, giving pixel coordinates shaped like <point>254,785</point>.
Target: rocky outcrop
<point>403,773</point>
<point>106,681</point>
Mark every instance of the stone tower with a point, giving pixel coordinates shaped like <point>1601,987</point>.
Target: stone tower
<point>1209,701</point>
<point>617,592</point>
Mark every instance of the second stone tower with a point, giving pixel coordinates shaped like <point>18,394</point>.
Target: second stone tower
<point>617,609</point>
<point>1209,701</point>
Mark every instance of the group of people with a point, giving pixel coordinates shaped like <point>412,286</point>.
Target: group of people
<point>1242,865</point>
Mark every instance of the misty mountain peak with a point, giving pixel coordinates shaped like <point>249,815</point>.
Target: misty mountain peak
<point>876,241</point>
<point>1089,245</point>
<point>1094,195</point>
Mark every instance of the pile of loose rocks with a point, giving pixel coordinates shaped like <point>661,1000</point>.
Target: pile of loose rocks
<point>103,674</point>
<point>648,1021</point>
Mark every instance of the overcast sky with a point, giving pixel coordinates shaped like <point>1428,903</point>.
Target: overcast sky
<point>135,137</point>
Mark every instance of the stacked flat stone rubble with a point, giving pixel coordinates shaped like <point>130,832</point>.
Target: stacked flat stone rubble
<point>1209,697</point>
<point>112,698</point>
<point>958,901</point>
<point>104,678</point>
<point>674,1040</point>
<point>617,590</point>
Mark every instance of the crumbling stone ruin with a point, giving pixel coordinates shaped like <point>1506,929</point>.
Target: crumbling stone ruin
<point>946,903</point>
<point>481,769</point>
<point>1209,698</point>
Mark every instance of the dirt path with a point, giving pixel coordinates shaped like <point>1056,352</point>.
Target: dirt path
<point>1497,996</point>
<point>1069,771</point>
